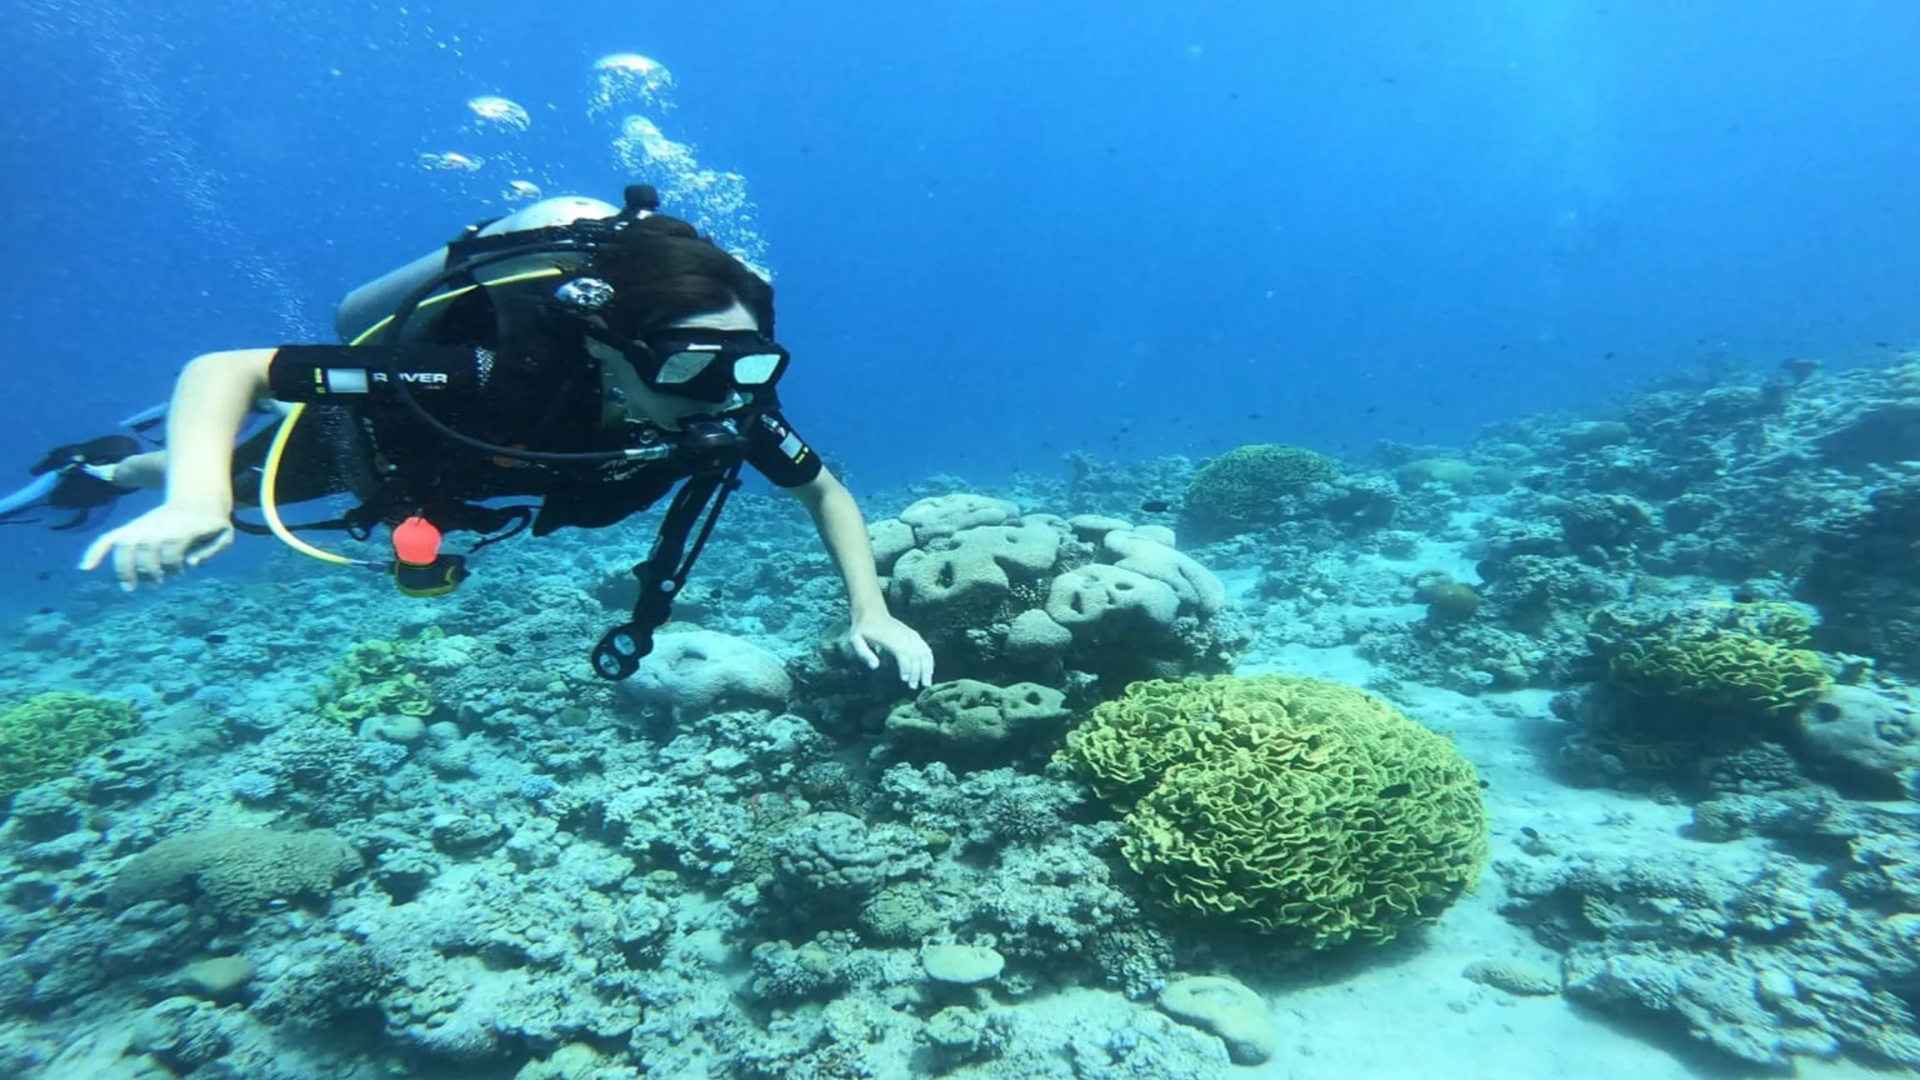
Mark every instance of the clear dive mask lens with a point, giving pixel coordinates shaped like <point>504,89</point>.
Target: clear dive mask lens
<point>681,368</point>
<point>758,369</point>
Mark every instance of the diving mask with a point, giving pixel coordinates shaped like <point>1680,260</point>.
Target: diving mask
<point>700,363</point>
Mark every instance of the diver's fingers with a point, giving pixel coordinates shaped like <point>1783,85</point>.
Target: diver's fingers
<point>170,556</point>
<point>146,562</point>
<point>98,549</point>
<point>209,546</point>
<point>922,667</point>
<point>864,651</point>
<point>123,565</point>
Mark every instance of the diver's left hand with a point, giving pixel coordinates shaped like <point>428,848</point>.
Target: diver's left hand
<point>876,634</point>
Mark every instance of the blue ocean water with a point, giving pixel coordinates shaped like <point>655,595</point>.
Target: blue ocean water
<point>1011,226</point>
<point>1138,233</point>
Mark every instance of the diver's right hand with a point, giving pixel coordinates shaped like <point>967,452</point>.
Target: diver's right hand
<point>161,542</point>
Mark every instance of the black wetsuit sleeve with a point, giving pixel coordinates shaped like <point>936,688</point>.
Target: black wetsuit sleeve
<point>777,452</point>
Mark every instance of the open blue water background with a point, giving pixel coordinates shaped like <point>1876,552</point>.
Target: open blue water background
<point>1005,230</point>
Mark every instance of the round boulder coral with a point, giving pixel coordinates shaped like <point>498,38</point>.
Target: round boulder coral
<point>1037,598</point>
<point>696,672</point>
<point>1240,489</point>
<point>1306,810</point>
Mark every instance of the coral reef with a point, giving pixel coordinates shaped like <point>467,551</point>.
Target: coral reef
<point>1764,964</point>
<point>1673,642</point>
<point>1741,660</point>
<point>48,734</point>
<point>234,872</point>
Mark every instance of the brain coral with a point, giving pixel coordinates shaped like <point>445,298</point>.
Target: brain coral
<point>1306,810</point>
<point>43,737</point>
<point>1239,489</point>
<point>235,872</point>
<point>969,721</point>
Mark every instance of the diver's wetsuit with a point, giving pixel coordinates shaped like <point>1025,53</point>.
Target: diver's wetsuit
<point>337,449</point>
<point>329,455</point>
<point>543,392</point>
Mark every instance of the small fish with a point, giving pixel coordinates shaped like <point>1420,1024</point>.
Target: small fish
<point>1155,506</point>
<point>1485,784</point>
<point>1883,344</point>
<point>44,611</point>
<point>215,638</point>
<point>1396,791</point>
<point>44,575</point>
<point>504,649</point>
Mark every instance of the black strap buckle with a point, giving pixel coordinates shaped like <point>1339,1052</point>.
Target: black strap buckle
<point>620,651</point>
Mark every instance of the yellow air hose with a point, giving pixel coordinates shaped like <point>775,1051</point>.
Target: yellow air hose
<point>277,451</point>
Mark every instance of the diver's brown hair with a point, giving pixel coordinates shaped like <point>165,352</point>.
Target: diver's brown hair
<point>662,271</point>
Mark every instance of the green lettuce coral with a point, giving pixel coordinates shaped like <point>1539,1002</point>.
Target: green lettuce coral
<point>1734,659</point>
<point>1240,488</point>
<point>378,678</point>
<point>1306,810</point>
<point>45,736</point>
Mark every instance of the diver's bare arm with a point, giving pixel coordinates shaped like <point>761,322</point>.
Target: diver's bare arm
<point>210,405</point>
<point>147,471</point>
<point>843,530</point>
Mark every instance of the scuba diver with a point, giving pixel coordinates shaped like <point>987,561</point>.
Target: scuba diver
<point>583,356</point>
<point>76,478</point>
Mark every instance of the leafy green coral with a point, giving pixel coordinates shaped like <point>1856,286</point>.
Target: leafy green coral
<point>45,736</point>
<point>1306,810</point>
<point>1239,489</point>
<point>377,678</point>
<point>1733,659</point>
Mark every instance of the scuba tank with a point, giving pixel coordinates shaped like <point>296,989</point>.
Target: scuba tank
<point>363,309</point>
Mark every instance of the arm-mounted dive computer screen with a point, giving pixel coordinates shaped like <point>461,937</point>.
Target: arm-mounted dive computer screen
<point>319,374</point>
